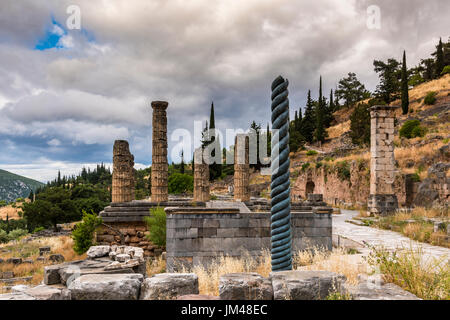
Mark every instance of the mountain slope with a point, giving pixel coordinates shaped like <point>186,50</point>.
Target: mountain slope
<point>13,186</point>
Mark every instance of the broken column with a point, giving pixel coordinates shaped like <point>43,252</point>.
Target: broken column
<point>241,168</point>
<point>201,177</point>
<point>123,172</point>
<point>382,199</point>
<point>159,152</point>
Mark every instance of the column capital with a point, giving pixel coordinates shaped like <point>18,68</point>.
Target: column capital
<point>159,104</point>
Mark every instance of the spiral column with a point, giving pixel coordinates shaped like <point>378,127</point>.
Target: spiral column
<point>280,186</point>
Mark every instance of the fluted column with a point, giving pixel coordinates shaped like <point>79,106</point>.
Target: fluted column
<point>159,152</point>
<point>241,168</point>
<point>201,177</point>
<point>123,172</point>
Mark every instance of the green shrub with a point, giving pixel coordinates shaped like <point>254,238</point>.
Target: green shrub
<point>83,235</point>
<point>445,70</point>
<point>411,129</point>
<point>415,177</point>
<point>3,236</point>
<point>343,170</point>
<point>311,152</point>
<point>430,98</point>
<point>180,183</point>
<point>156,223</point>
<point>16,234</point>
<point>318,164</point>
<point>38,229</point>
<point>305,166</point>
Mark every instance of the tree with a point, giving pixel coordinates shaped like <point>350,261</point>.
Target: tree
<point>390,74</point>
<point>351,90</point>
<point>215,169</point>
<point>308,122</point>
<point>405,95</point>
<point>182,162</point>
<point>439,65</point>
<point>320,132</point>
<point>427,65</point>
<point>360,125</point>
<point>256,129</point>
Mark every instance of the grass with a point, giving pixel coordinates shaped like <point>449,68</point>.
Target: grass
<point>338,260</point>
<point>428,280</point>
<point>30,250</point>
<point>415,225</point>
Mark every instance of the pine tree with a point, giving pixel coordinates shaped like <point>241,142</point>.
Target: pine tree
<point>58,181</point>
<point>405,95</point>
<point>215,169</point>
<point>308,122</point>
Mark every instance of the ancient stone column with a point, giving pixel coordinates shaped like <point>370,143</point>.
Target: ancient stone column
<point>201,177</point>
<point>241,168</point>
<point>159,152</point>
<point>382,199</point>
<point>123,172</point>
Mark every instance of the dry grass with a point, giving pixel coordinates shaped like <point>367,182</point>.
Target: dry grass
<point>427,279</point>
<point>158,265</point>
<point>408,153</point>
<point>30,250</point>
<point>316,259</point>
<point>338,130</point>
<point>10,212</point>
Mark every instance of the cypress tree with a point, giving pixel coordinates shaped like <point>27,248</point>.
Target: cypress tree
<point>215,169</point>
<point>308,123</point>
<point>405,95</point>
<point>182,162</point>
<point>439,59</point>
<point>320,132</point>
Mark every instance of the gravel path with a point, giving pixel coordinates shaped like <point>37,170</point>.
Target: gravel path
<point>377,237</point>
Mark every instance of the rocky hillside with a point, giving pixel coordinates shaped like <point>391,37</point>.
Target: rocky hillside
<point>13,186</point>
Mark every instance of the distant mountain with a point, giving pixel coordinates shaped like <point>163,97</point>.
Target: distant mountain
<point>13,186</point>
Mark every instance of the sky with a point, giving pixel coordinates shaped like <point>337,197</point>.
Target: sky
<point>67,93</point>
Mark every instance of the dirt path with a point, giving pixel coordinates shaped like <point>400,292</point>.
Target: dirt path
<point>377,237</point>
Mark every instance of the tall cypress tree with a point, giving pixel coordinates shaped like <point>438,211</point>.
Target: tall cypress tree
<point>215,169</point>
<point>182,162</point>
<point>308,122</point>
<point>320,132</point>
<point>439,59</point>
<point>405,95</point>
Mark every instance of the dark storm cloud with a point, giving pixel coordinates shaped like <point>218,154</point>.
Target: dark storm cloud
<point>92,92</point>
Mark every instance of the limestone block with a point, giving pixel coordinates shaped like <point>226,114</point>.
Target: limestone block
<point>106,287</point>
<point>305,285</point>
<point>165,286</point>
<point>245,286</point>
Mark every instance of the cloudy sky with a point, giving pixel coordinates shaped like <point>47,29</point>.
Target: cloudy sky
<point>66,95</point>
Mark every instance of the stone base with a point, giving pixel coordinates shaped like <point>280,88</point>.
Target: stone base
<point>382,204</point>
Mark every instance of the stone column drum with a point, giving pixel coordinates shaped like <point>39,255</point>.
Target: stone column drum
<point>241,168</point>
<point>159,153</point>
<point>382,199</point>
<point>123,172</point>
<point>201,177</point>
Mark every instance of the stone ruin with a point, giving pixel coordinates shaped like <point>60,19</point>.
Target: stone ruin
<point>159,192</point>
<point>123,173</point>
<point>382,199</point>
<point>241,168</point>
<point>200,230</point>
<point>201,177</point>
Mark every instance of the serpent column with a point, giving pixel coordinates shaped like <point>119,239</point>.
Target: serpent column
<point>160,166</point>
<point>280,185</point>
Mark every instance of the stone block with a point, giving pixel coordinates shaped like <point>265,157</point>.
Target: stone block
<point>165,286</point>
<point>106,287</point>
<point>98,251</point>
<point>245,286</point>
<point>305,285</point>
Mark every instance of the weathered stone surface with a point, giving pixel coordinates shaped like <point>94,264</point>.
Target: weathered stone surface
<point>19,288</point>
<point>98,251</point>
<point>16,296</point>
<point>106,287</point>
<point>56,258</point>
<point>7,275</point>
<point>245,286</point>
<point>201,177</point>
<point>372,291</point>
<point>123,173</point>
<point>51,274</point>
<point>122,257</point>
<point>159,176</point>
<point>165,286</point>
<point>44,250</point>
<point>44,292</point>
<point>197,297</point>
<point>14,260</point>
<point>241,168</point>
<point>305,285</point>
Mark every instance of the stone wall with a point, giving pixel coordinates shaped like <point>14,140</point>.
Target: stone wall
<point>353,190</point>
<point>197,236</point>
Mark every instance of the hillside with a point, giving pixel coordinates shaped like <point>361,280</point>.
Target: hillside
<point>13,186</point>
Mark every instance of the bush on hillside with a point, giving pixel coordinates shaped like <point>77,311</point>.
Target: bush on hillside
<point>83,235</point>
<point>430,98</point>
<point>445,70</point>
<point>412,129</point>
<point>311,152</point>
<point>156,224</point>
<point>180,183</point>
<point>360,125</point>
